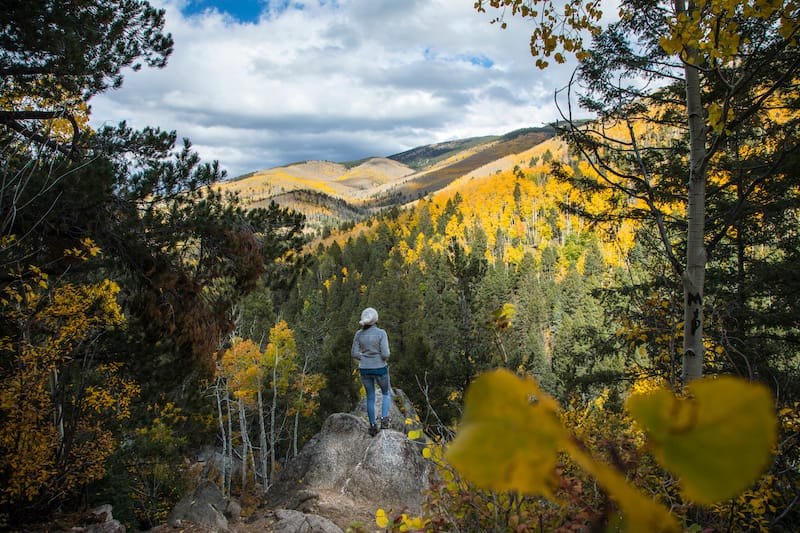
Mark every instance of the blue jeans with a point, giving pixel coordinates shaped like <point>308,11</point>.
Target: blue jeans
<point>369,381</point>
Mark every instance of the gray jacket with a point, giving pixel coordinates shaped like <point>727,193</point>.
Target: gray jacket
<point>370,347</point>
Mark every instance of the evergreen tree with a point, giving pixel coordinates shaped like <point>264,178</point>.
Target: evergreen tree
<point>725,91</point>
<point>722,70</point>
<point>182,254</point>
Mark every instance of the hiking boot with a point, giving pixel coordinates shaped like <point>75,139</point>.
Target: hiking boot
<point>385,424</point>
<point>373,430</point>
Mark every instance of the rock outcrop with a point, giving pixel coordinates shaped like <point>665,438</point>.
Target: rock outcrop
<point>340,478</point>
<point>99,520</point>
<point>206,505</point>
<point>288,521</point>
<point>343,465</point>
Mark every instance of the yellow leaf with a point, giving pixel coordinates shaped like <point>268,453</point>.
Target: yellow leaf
<point>717,442</point>
<point>510,435</point>
<point>381,519</point>
<point>641,513</point>
<point>417,523</point>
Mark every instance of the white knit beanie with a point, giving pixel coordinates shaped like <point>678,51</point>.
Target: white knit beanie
<point>368,317</point>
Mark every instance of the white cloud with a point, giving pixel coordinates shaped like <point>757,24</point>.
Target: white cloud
<point>336,80</point>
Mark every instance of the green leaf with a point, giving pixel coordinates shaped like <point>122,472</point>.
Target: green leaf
<point>718,441</point>
<point>510,435</point>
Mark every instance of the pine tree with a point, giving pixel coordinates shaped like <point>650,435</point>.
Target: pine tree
<point>719,68</point>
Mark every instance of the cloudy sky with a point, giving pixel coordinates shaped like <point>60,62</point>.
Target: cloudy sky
<point>257,84</point>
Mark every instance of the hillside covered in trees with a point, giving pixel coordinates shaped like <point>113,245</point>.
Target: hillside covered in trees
<point>600,333</point>
<point>333,195</point>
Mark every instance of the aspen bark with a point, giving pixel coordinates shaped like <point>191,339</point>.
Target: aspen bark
<point>58,413</point>
<point>694,274</point>
<point>224,438</point>
<point>262,435</point>
<point>272,414</point>
<point>297,411</point>
<point>245,442</point>
<point>230,436</point>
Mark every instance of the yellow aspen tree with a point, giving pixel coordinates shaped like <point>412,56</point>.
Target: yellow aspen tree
<point>732,62</point>
<point>242,366</point>
<point>281,364</point>
<point>58,430</point>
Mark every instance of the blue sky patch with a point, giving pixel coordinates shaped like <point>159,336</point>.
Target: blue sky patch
<point>241,10</point>
<point>477,60</point>
<point>481,61</point>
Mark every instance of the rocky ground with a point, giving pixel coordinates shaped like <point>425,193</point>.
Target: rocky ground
<point>337,482</point>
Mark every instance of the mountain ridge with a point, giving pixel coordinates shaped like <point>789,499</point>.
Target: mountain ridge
<point>331,193</point>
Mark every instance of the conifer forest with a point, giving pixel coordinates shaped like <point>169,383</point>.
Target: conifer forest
<point>605,337</point>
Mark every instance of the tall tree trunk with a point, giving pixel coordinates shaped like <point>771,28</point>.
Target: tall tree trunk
<point>272,415</point>
<point>297,411</point>
<point>262,441</point>
<point>221,420</point>
<point>58,413</point>
<point>245,442</point>
<point>229,459</point>
<point>295,431</point>
<point>694,274</point>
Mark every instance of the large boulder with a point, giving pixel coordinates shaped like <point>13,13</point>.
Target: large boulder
<point>343,461</point>
<point>337,481</point>
<point>100,520</point>
<point>289,521</point>
<point>206,506</point>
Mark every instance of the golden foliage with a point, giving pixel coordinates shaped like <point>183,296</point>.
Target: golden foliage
<point>718,441</point>
<point>57,434</point>
<point>523,205</point>
<point>713,27</point>
<point>557,26</point>
<point>249,370</point>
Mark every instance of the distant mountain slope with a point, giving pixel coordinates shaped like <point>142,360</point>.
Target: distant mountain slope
<point>336,179</point>
<point>330,193</point>
<point>427,156</point>
<point>461,163</point>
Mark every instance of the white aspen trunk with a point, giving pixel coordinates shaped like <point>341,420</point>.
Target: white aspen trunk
<point>58,413</point>
<point>297,411</point>
<point>295,431</point>
<point>252,461</point>
<point>229,459</point>
<point>272,415</point>
<point>694,274</point>
<point>224,438</point>
<point>262,440</point>
<point>245,442</point>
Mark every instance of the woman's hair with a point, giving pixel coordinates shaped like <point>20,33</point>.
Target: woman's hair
<point>368,317</point>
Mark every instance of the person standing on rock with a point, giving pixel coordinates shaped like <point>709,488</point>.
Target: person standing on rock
<point>371,348</point>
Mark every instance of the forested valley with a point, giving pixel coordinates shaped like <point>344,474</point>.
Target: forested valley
<point>542,319</point>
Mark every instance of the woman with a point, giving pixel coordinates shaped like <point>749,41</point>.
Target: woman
<point>371,348</point>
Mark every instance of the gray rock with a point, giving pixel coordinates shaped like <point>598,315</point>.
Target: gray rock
<point>385,471</point>
<point>289,521</point>
<point>100,520</point>
<point>233,511</point>
<point>112,526</point>
<point>400,410</point>
<point>205,506</point>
